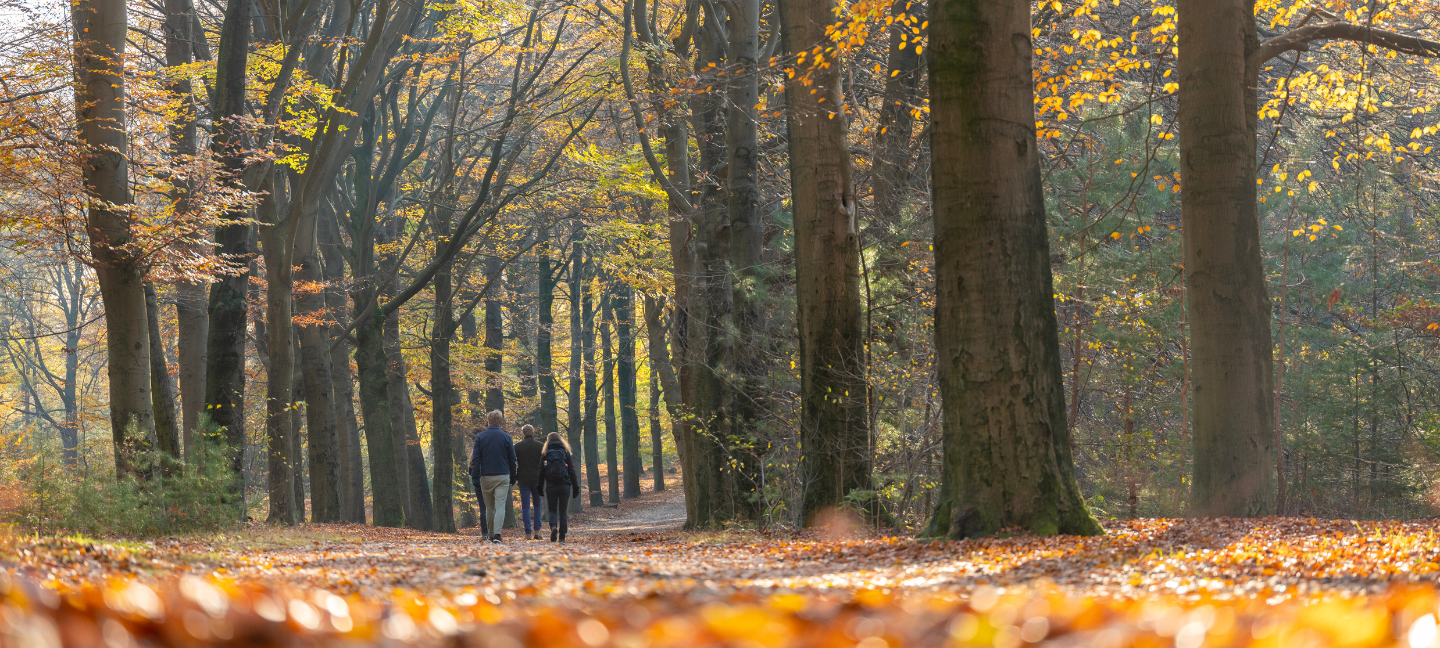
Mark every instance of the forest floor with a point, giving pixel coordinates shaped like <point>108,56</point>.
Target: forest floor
<point>634,569</point>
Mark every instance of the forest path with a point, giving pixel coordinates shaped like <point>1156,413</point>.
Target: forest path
<point>652,512</point>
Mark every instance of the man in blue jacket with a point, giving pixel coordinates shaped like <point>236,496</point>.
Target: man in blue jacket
<point>492,470</point>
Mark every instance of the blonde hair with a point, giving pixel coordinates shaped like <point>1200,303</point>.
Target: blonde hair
<point>555,437</point>
<point>496,418</point>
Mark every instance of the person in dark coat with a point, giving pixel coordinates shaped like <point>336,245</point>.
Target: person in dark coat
<point>559,483</point>
<point>529,453</point>
<point>493,470</point>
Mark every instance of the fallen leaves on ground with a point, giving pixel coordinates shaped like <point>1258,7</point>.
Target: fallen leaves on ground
<point>1270,583</point>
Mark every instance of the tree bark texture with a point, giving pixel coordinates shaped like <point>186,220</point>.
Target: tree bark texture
<point>1229,307</point>
<point>277,248</point>
<point>607,390</point>
<point>834,437</point>
<point>575,417</point>
<point>625,376</point>
<point>192,321</point>
<point>442,389</point>
<point>100,29</point>
<point>385,483</point>
<point>494,339</point>
<point>592,402</point>
<point>347,428</point>
<point>225,340</point>
<point>1006,451</point>
<point>162,388</point>
<point>544,362</point>
<point>322,424</point>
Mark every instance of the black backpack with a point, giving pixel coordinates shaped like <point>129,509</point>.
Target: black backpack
<point>557,471</point>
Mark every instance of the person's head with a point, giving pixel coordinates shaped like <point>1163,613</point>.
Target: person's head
<point>528,431</point>
<point>495,418</point>
<point>556,439</point>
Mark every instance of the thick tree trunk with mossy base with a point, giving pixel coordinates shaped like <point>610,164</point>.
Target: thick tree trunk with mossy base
<point>1231,354</point>
<point>1007,455</point>
<point>834,434</point>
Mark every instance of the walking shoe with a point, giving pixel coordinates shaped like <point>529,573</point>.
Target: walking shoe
<point>495,538</point>
<point>553,533</point>
<point>536,536</point>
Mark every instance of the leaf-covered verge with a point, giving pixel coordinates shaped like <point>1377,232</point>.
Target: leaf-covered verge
<point>1274,582</point>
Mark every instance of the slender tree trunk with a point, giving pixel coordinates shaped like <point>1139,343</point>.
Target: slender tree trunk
<point>225,340</point>
<point>328,468</point>
<point>342,378</point>
<point>544,369</point>
<point>192,322</point>
<point>607,389</point>
<point>100,27</point>
<point>522,332</point>
<point>162,389</point>
<point>592,440</point>
<point>575,428</point>
<point>657,434</point>
<point>834,436</point>
<point>625,374</point>
<point>1229,306</point>
<point>442,391</point>
<point>1007,454</point>
<point>419,514</point>
<point>297,428</point>
<point>279,398</point>
<point>494,339</point>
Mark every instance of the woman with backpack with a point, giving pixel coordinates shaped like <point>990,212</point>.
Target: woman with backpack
<point>558,483</point>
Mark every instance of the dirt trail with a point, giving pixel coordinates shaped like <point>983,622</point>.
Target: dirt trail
<point>650,513</point>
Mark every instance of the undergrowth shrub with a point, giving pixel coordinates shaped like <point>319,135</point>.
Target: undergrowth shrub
<point>169,496</point>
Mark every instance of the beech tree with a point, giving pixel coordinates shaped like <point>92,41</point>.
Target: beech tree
<point>1006,455</point>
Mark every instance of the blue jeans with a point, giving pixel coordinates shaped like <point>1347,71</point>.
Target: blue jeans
<point>530,506</point>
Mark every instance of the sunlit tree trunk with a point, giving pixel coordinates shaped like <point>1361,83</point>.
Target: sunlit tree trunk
<point>834,436</point>
<point>1229,307</point>
<point>1007,455</point>
<point>100,28</point>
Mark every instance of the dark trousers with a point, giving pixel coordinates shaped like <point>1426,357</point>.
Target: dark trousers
<point>557,499</point>
<point>530,508</point>
<point>484,519</point>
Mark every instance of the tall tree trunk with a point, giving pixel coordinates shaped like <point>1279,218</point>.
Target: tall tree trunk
<point>545,372</point>
<point>625,375</point>
<point>463,439</point>
<point>192,322</point>
<point>328,468</point>
<point>575,428</point>
<point>747,238</point>
<point>1229,308</point>
<point>279,382</point>
<point>834,436</point>
<point>592,402</point>
<point>385,481</point>
<point>419,514</point>
<point>522,332</point>
<point>162,389</point>
<point>711,316</point>
<point>607,390</point>
<point>657,434</point>
<point>100,28</point>
<point>225,340</point>
<point>297,428</point>
<point>1006,446</point>
<point>347,428</point>
<point>494,339</point>
<point>442,390</point>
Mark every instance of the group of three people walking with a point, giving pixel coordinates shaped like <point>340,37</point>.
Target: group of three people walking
<point>540,470</point>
